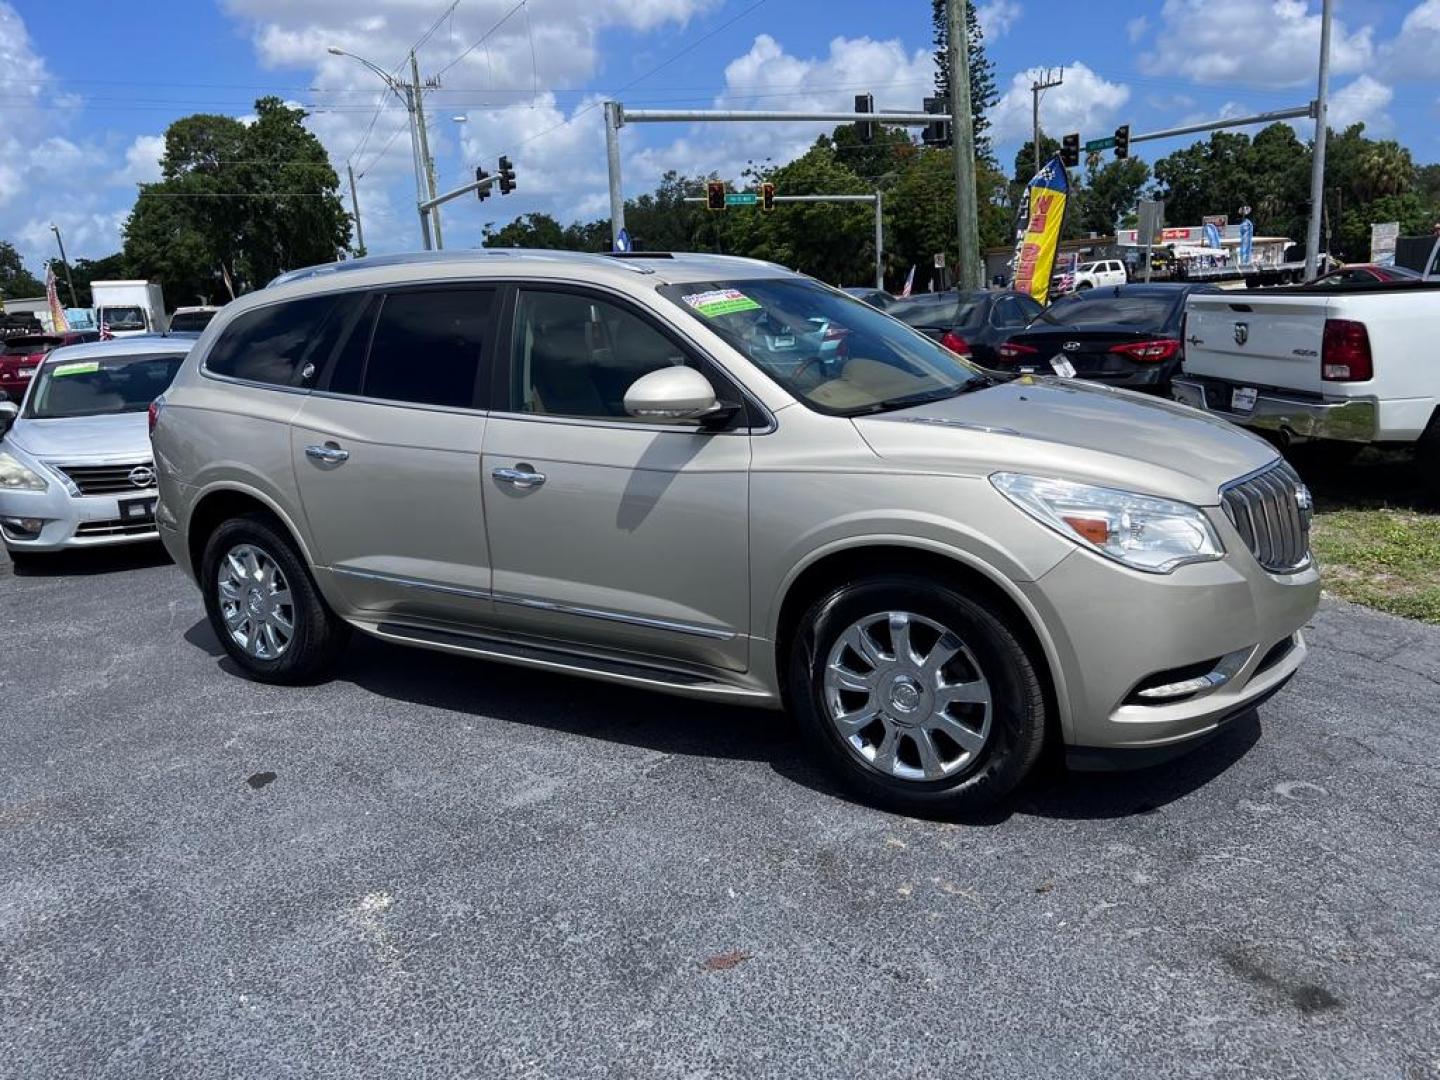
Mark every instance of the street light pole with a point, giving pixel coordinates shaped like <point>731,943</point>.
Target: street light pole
<point>355,205</point>
<point>426,160</point>
<point>65,264</point>
<point>1317,160</point>
<point>408,95</point>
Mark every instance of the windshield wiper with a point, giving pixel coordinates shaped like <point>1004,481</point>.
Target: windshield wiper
<point>905,401</point>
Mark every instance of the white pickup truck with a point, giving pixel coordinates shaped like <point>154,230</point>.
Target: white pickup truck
<point>1349,363</point>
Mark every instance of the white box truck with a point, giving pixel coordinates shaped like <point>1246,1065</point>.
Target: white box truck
<point>127,308</point>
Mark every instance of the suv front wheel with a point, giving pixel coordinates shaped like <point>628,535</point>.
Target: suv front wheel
<point>263,604</point>
<point>920,698</point>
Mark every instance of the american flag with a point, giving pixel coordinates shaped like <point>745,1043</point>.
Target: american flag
<point>909,282</point>
<point>105,334</point>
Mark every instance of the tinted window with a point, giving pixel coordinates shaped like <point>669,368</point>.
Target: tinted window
<point>950,311</point>
<point>101,386</point>
<point>1138,311</point>
<point>269,344</point>
<point>576,355</point>
<point>428,345</point>
<point>1011,311</point>
<point>188,321</point>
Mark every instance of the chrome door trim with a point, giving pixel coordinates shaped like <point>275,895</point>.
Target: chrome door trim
<point>715,632</point>
<point>410,583</point>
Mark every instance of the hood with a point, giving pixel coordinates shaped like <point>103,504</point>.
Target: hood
<point>76,438</point>
<point>1075,431</point>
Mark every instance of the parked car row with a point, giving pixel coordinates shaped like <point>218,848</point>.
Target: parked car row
<point>706,476</point>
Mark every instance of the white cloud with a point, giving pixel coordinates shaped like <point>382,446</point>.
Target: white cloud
<point>1362,101</point>
<point>1136,28</point>
<point>1085,102</point>
<point>142,161</point>
<point>1260,42</point>
<point>998,17</point>
<point>1415,52</point>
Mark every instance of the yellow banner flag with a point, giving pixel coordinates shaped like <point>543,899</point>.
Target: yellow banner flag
<point>1037,230</point>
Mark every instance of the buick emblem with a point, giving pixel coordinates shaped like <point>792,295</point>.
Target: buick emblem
<point>1242,333</point>
<point>142,476</point>
<point>1070,346</point>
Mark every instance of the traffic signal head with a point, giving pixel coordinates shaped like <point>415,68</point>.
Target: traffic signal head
<point>767,196</point>
<point>483,191</point>
<point>715,195</point>
<point>863,128</point>
<point>1070,150</point>
<point>1122,142</point>
<point>507,176</point>
<point>938,133</point>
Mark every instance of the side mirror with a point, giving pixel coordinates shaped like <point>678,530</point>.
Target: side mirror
<point>674,393</point>
<point>8,412</point>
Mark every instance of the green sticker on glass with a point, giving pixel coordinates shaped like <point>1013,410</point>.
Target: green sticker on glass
<point>76,369</point>
<point>720,302</point>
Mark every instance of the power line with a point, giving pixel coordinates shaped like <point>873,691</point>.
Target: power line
<point>485,36</point>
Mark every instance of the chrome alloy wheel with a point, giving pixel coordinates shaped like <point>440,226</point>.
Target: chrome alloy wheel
<point>907,696</point>
<point>255,602</point>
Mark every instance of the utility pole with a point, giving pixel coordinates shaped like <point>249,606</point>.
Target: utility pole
<point>355,205</point>
<point>426,160</point>
<point>962,138</point>
<point>1317,160</point>
<point>612,158</point>
<point>65,264</point>
<point>1039,86</point>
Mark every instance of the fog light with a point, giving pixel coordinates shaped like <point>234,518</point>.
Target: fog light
<point>18,528</point>
<point>1184,687</point>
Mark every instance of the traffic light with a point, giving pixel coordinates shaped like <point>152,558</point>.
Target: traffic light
<point>507,176</point>
<point>863,128</point>
<point>937,133</point>
<point>1122,142</point>
<point>1070,150</point>
<point>715,195</point>
<point>483,191</point>
<point>767,196</point>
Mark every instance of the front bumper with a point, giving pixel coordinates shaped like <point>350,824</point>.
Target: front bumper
<point>1341,419</point>
<point>1116,631</point>
<point>71,521</point>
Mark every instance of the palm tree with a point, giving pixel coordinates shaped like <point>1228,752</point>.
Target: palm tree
<point>1386,168</point>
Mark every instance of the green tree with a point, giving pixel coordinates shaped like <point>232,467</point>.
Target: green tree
<point>84,271</point>
<point>15,280</point>
<point>236,200</point>
<point>982,70</point>
<point>526,231</point>
<point>1111,191</point>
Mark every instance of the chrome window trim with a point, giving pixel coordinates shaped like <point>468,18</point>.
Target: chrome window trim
<point>536,604</point>
<point>461,410</point>
<point>630,425</point>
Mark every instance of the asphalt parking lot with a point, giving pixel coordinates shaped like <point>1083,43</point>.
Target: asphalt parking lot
<point>438,867</point>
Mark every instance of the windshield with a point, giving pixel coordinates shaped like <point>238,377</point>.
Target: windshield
<point>27,346</point>
<point>101,386</point>
<point>122,318</point>
<point>1141,312</point>
<point>835,354</point>
<point>1085,268</point>
<point>186,321</point>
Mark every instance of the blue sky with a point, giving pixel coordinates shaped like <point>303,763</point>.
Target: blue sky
<point>93,83</point>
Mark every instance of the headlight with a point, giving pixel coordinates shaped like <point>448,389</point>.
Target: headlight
<point>1154,535</point>
<point>17,477</point>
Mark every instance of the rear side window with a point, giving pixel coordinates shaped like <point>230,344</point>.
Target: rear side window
<point>428,346</point>
<point>269,344</point>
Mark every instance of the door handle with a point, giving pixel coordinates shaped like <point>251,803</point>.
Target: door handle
<point>329,453</point>
<point>521,477</point>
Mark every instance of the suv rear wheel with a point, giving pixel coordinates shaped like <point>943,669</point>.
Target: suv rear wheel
<point>920,698</point>
<point>263,604</point>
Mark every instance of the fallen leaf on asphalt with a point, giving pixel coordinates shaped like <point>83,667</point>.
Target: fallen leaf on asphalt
<point>1044,886</point>
<point>726,960</point>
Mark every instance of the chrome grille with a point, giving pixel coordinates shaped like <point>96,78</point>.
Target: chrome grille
<point>1271,512</point>
<point>108,479</point>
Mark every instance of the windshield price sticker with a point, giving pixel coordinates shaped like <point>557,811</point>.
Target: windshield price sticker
<point>1062,366</point>
<point>77,369</point>
<point>719,302</point>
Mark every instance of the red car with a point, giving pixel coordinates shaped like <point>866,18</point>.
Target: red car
<point>1362,273</point>
<point>22,354</point>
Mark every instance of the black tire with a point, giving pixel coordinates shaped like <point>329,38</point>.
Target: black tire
<point>1018,720</point>
<point>1084,285</point>
<point>1427,461</point>
<point>1323,456</point>
<point>319,634</point>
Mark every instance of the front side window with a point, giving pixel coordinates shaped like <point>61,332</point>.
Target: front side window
<point>428,346</point>
<point>268,345</point>
<point>576,355</point>
<point>831,352</point>
<point>101,386</point>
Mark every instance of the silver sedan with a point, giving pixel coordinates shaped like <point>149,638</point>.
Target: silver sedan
<point>75,461</point>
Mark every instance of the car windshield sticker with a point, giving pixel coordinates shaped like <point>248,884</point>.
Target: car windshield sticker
<point>77,369</point>
<point>720,302</point>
